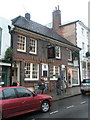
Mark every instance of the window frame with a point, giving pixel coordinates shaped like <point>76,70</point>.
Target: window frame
<point>54,72</point>
<point>4,97</point>
<point>18,49</point>
<point>18,92</point>
<point>70,55</point>
<point>58,57</point>
<point>35,47</point>
<point>31,72</point>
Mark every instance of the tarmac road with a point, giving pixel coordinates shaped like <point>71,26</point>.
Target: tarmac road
<point>73,107</point>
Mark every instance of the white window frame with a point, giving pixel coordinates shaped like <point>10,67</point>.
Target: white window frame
<point>58,57</point>
<point>24,44</point>
<point>54,72</point>
<point>35,47</point>
<point>31,70</point>
<point>70,55</point>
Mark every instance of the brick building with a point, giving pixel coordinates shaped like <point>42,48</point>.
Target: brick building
<point>77,33</point>
<point>33,45</point>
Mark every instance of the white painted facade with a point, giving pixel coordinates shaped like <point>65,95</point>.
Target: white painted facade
<point>82,42</point>
<point>5,38</point>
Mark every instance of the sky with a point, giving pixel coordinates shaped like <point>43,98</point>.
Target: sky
<point>41,10</point>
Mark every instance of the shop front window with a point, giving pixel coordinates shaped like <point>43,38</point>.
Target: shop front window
<point>74,77</point>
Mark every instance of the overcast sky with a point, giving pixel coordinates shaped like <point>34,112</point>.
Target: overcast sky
<point>41,10</point>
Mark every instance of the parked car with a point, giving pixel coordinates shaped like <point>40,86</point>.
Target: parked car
<point>85,86</point>
<point>19,100</point>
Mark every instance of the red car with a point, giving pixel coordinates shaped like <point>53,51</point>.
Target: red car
<point>19,100</point>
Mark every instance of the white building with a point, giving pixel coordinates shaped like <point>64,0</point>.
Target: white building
<point>4,44</point>
<point>77,33</point>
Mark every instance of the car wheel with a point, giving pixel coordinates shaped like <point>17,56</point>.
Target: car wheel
<point>45,107</point>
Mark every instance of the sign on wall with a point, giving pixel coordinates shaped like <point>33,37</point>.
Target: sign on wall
<point>51,52</point>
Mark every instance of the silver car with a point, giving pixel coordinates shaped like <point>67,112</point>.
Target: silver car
<point>85,86</point>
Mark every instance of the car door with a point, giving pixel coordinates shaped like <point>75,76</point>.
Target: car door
<point>11,104</point>
<point>27,99</point>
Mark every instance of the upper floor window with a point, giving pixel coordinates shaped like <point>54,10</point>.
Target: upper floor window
<point>58,52</point>
<point>82,31</point>
<point>70,56</point>
<point>33,46</point>
<point>0,39</point>
<point>21,44</point>
<point>83,45</point>
<point>31,71</point>
<point>87,34</point>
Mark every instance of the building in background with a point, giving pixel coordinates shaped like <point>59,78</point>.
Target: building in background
<point>4,44</point>
<point>77,33</point>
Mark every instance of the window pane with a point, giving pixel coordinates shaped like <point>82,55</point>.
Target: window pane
<point>33,45</point>
<point>34,70</point>
<point>51,71</point>
<point>57,51</point>
<point>21,42</point>
<point>1,96</point>
<point>27,70</point>
<point>22,92</point>
<point>9,93</point>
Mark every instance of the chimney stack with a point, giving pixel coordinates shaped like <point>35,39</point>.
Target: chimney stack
<point>27,16</point>
<point>56,16</point>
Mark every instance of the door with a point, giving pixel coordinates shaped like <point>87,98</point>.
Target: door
<point>27,99</point>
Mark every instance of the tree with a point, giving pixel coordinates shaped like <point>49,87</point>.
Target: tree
<point>9,54</point>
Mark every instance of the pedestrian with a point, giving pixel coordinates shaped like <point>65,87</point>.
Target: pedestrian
<point>58,86</point>
<point>14,84</point>
<point>41,84</point>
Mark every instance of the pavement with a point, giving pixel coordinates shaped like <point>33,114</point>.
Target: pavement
<point>70,92</point>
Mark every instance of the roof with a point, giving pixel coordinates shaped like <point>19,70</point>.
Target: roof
<point>35,27</point>
<point>74,22</point>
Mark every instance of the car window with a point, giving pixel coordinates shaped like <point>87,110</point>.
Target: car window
<point>9,93</point>
<point>86,81</point>
<point>22,92</point>
<point>1,96</point>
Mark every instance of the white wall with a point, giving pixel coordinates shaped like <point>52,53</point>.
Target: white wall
<point>5,40</point>
<point>82,38</point>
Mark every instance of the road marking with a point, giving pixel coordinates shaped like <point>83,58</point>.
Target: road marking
<point>70,106</point>
<point>83,102</point>
<point>53,112</point>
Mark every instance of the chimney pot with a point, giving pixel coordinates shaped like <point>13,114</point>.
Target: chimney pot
<point>27,16</point>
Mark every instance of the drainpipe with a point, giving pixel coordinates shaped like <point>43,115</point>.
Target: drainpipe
<point>11,59</point>
<point>79,69</point>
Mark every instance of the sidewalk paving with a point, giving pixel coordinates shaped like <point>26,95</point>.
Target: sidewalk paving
<point>73,91</point>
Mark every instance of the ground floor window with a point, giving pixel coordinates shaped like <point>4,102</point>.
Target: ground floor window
<point>31,71</point>
<point>54,70</point>
<point>74,76</point>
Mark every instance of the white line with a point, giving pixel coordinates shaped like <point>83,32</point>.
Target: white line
<point>53,112</point>
<point>83,102</point>
<point>70,106</point>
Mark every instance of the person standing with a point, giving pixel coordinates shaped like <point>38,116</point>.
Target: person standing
<point>58,86</point>
<point>41,84</point>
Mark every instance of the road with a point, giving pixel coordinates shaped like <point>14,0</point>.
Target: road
<point>73,107</point>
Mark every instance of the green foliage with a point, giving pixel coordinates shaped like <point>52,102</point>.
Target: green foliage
<point>9,54</point>
<point>87,54</point>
